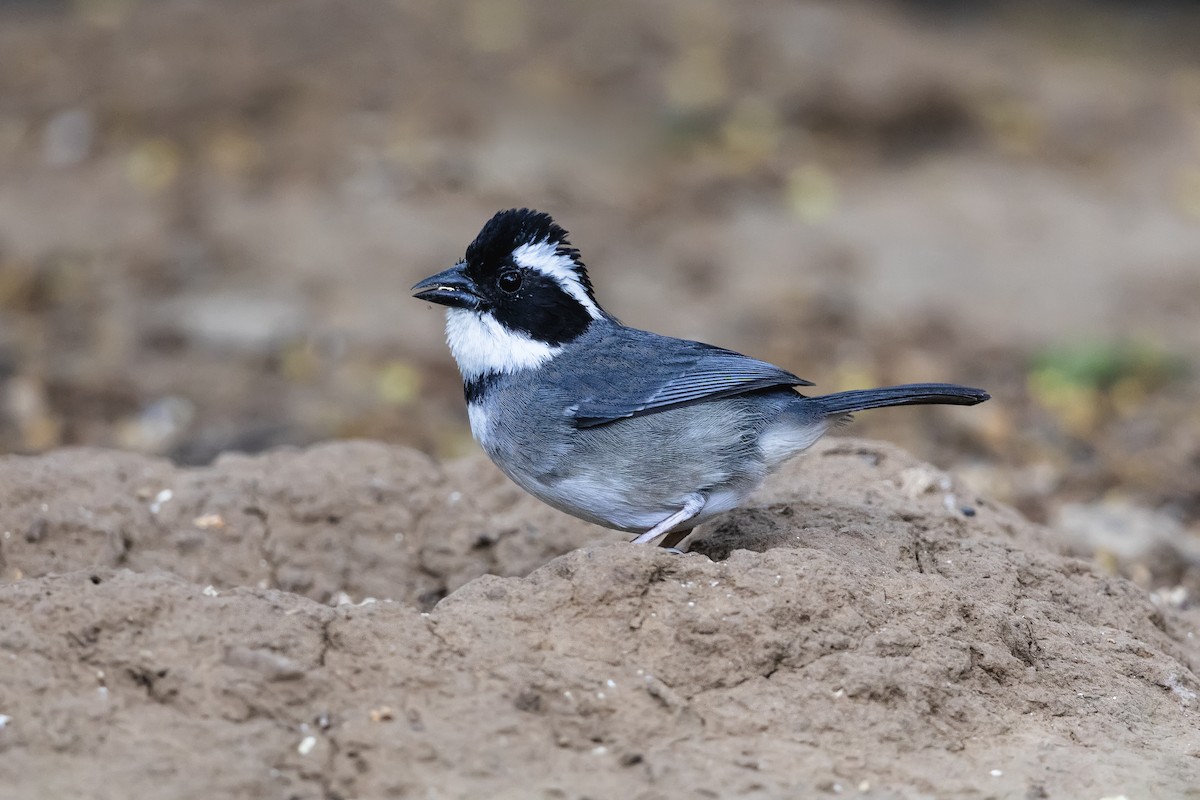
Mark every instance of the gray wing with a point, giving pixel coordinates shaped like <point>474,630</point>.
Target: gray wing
<point>673,372</point>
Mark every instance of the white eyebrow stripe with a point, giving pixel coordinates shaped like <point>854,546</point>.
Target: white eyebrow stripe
<point>545,258</point>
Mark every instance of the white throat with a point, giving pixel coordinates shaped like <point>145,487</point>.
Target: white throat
<point>481,345</point>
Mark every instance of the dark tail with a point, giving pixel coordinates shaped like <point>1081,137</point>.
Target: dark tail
<point>912,394</point>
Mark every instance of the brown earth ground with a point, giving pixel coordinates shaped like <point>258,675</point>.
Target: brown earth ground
<point>210,215</point>
<point>254,629</point>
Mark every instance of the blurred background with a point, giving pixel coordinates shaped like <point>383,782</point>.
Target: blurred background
<point>211,212</point>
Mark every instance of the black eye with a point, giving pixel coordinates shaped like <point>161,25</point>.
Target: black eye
<point>509,280</point>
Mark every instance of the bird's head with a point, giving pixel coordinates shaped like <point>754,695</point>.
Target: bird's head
<point>519,294</point>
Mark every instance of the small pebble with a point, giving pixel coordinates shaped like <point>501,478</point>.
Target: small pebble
<point>382,714</point>
<point>159,499</point>
<point>209,521</point>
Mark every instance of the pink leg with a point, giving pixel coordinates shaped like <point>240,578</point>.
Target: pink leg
<point>691,507</point>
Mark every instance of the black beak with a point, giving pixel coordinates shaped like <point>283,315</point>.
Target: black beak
<point>452,288</point>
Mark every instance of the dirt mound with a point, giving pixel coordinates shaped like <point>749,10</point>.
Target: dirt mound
<point>210,632</point>
<point>347,520</point>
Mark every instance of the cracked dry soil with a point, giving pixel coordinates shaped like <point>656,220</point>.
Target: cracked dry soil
<point>177,633</point>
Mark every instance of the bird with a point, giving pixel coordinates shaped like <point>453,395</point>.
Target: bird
<point>625,428</point>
